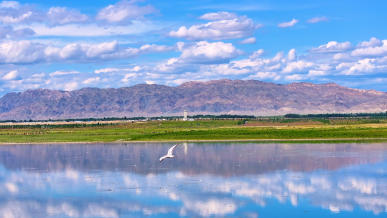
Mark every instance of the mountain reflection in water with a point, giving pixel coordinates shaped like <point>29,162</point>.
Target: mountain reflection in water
<point>205,179</point>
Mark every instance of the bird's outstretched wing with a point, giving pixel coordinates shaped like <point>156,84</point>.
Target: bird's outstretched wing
<point>163,158</point>
<point>170,151</point>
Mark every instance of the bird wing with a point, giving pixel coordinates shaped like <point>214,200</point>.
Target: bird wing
<point>170,151</point>
<point>162,158</point>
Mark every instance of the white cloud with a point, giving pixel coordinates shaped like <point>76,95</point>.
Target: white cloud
<point>19,52</point>
<point>63,15</point>
<point>11,187</point>
<point>12,12</point>
<point>15,18</point>
<point>8,32</point>
<point>292,55</point>
<point>316,73</point>
<point>197,61</point>
<point>92,29</point>
<point>112,70</point>
<point>265,76</point>
<point>155,48</point>
<point>222,15</point>
<point>250,40</point>
<point>199,53</point>
<point>91,80</point>
<point>107,70</point>
<point>128,76</point>
<point>63,73</point>
<point>294,77</point>
<point>288,24</point>
<point>124,11</point>
<point>206,52</point>
<point>223,25</point>
<point>256,54</point>
<point>333,47</point>
<point>10,75</point>
<point>297,66</point>
<point>363,66</point>
<point>70,86</point>
<point>375,48</point>
<point>320,64</point>
<point>317,19</point>
<point>9,4</point>
<point>342,57</point>
<point>373,42</point>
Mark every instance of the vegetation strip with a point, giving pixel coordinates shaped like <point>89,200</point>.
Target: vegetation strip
<point>199,130</point>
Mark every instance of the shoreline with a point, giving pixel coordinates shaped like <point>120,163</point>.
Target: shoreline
<point>315,140</point>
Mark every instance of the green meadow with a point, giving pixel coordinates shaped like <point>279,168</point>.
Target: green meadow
<point>199,130</point>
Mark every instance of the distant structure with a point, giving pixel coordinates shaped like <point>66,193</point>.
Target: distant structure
<point>185,118</point>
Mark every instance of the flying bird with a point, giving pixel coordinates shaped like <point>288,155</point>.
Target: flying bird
<point>169,154</point>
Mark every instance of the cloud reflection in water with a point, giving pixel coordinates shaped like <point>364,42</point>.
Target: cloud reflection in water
<point>78,192</point>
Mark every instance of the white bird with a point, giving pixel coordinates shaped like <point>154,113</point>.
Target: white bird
<point>169,154</point>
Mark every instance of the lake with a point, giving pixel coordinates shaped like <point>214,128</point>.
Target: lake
<point>204,179</point>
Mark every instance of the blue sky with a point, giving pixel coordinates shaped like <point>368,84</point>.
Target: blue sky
<point>69,45</point>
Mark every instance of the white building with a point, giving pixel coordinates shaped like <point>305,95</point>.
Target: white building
<point>185,118</point>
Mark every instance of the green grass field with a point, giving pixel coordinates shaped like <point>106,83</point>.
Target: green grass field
<point>195,130</point>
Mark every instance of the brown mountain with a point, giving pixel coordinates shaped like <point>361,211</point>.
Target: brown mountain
<point>215,97</point>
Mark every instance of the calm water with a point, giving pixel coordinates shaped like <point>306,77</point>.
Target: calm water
<point>209,179</point>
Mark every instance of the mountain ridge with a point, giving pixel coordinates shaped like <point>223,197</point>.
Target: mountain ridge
<point>250,97</point>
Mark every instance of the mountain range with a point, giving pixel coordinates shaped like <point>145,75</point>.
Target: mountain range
<point>249,97</point>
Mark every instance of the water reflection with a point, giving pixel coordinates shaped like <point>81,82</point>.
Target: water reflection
<point>247,180</point>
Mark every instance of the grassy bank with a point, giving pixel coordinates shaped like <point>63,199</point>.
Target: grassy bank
<point>195,130</point>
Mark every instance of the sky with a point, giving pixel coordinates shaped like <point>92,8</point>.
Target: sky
<point>69,45</point>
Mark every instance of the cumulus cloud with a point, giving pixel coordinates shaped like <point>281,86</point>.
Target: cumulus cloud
<point>8,32</point>
<point>206,52</point>
<point>288,24</point>
<point>222,25</point>
<point>250,40</point>
<point>292,54</point>
<point>199,61</point>
<point>22,52</point>
<point>199,53</point>
<point>11,12</point>
<point>319,64</point>
<point>317,19</point>
<point>332,47</point>
<point>297,66</point>
<point>15,18</point>
<point>15,13</point>
<point>372,48</point>
<point>63,15</point>
<point>92,29</point>
<point>363,66</point>
<point>124,11</point>
<point>373,42</point>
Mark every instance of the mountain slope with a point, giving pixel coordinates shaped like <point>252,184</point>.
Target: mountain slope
<point>218,96</point>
